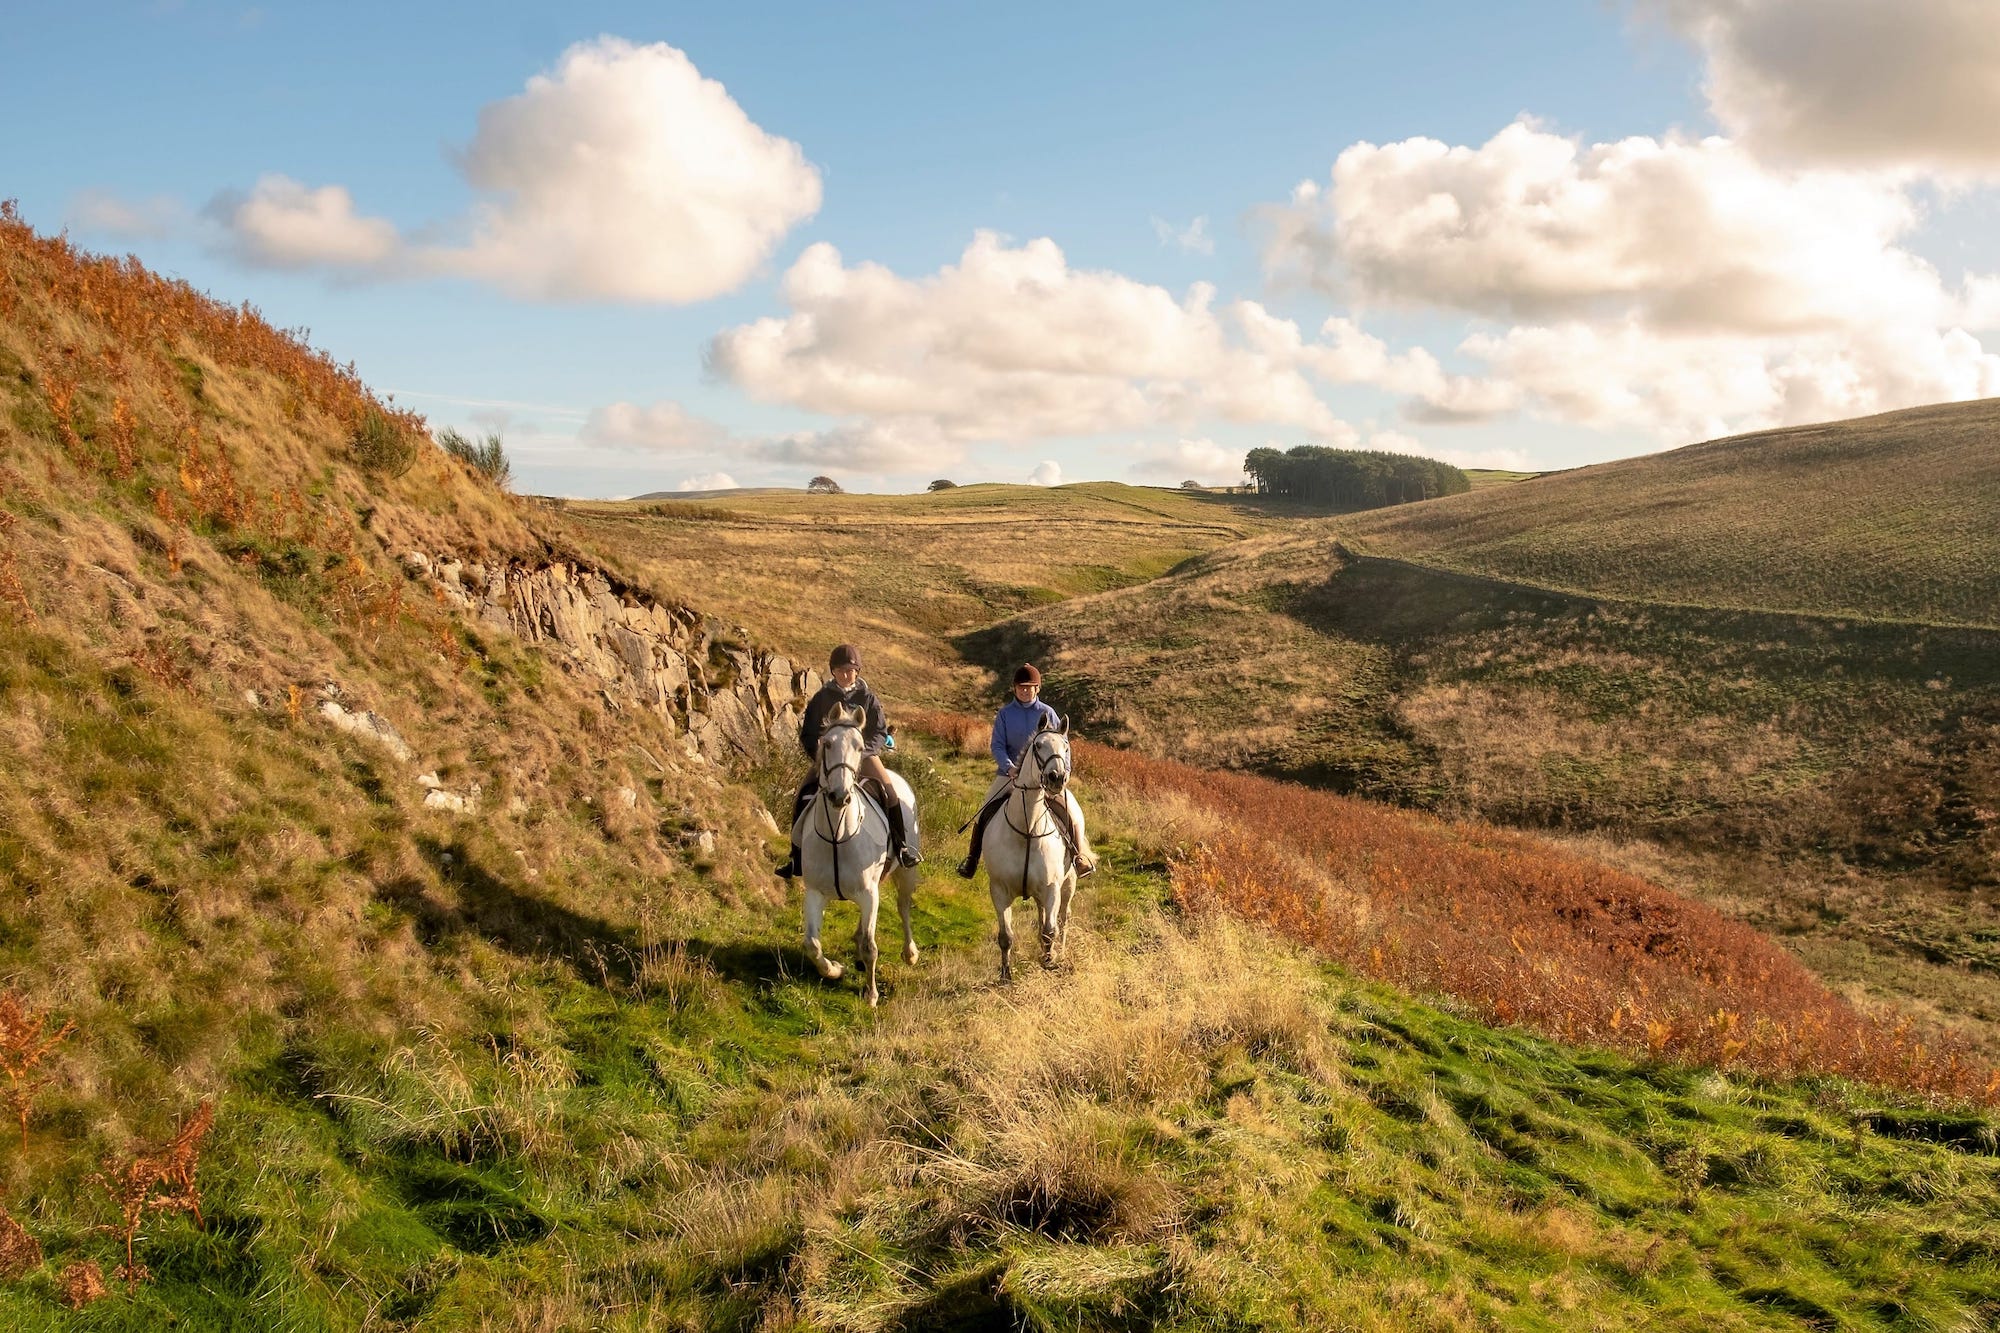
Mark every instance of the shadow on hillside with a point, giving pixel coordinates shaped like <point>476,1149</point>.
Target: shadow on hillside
<point>1402,606</point>
<point>529,927</point>
<point>1001,648</point>
<point>493,909</point>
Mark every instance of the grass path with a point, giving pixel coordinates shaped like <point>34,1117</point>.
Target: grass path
<point>1187,1127</point>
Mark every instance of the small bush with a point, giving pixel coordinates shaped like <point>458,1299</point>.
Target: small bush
<point>379,445</point>
<point>487,457</point>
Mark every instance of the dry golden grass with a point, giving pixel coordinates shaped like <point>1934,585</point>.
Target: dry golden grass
<point>900,575</point>
<point>1894,516</point>
<point>1522,932</point>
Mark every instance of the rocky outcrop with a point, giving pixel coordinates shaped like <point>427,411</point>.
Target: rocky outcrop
<point>718,698</point>
<point>369,726</point>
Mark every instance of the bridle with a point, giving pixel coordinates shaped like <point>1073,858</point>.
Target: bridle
<point>1030,814</point>
<point>826,832</point>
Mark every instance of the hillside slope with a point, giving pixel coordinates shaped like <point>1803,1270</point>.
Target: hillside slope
<point>900,573</point>
<point>1829,776</point>
<point>399,844</point>
<point>1894,516</point>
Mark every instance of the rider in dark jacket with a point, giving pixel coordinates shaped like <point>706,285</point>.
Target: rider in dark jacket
<point>846,689</point>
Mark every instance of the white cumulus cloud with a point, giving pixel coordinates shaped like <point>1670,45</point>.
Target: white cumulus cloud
<point>1048,472</point>
<point>1691,236</point>
<point>708,481</point>
<point>1679,286</point>
<point>664,427</point>
<point>622,175</point>
<point>283,224</point>
<point>1012,343</point>
<point>1883,83</point>
<point>1176,461</point>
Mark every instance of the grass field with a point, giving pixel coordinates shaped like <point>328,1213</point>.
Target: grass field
<point>1831,776</point>
<point>1893,517</point>
<point>558,1064</point>
<point>1483,477</point>
<point>667,1121</point>
<point>900,573</point>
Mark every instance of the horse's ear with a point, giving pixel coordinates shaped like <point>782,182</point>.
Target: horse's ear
<point>1042,724</point>
<point>1065,727</point>
<point>846,717</point>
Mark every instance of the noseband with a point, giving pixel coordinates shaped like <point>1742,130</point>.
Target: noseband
<point>826,770</point>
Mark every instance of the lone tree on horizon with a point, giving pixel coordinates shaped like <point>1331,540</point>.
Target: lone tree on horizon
<point>823,486</point>
<point>942,484</point>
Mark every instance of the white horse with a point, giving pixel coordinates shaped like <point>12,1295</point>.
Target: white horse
<point>843,839</point>
<point>1025,853</point>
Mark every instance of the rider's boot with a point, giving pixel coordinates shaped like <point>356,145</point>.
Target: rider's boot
<point>970,865</point>
<point>906,855</point>
<point>1086,864</point>
<point>790,869</point>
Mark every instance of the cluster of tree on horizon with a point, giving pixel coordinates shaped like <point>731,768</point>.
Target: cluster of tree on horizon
<point>1351,478</point>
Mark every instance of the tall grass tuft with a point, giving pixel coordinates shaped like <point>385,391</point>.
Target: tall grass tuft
<point>381,445</point>
<point>486,457</point>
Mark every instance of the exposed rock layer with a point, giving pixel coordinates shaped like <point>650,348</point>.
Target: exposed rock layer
<point>720,700</point>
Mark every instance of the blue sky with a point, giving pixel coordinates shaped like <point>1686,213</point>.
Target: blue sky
<point>1636,225</point>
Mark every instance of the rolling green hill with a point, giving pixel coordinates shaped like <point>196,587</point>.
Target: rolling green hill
<point>1894,517</point>
<point>418,834</point>
<point>901,573</point>
<point>1666,655</point>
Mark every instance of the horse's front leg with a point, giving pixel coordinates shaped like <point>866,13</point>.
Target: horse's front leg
<point>1003,908</point>
<point>1046,908</point>
<point>815,915</point>
<point>906,893</point>
<point>869,901</point>
<point>1066,895</point>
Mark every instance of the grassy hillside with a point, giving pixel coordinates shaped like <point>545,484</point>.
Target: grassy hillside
<point>1831,777</point>
<point>899,573</point>
<point>1894,516</point>
<point>556,1060</point>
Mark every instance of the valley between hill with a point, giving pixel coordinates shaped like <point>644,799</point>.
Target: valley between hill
<point>420,834</point>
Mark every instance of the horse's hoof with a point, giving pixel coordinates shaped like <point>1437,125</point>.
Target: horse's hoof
<point>910,955</point>
<point>831,970</point>
<point>873,999</point>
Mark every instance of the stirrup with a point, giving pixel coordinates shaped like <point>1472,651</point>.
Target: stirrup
<point>909,856</point>
<point>1085,869</point>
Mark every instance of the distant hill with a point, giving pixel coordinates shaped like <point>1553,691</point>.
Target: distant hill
<point>1720,649</point>
<point>726,493</point>
<point>400,853</point>
<point>1894,516</point>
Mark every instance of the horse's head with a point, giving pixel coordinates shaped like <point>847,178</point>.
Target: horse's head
<point>839,756</point>
<point>1049,754</point>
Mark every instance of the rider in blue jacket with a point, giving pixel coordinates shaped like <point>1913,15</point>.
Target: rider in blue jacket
<point>1014,726</point>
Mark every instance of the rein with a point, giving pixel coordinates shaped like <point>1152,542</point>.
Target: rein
<point>829,834</point>
<point>1029,813</point>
